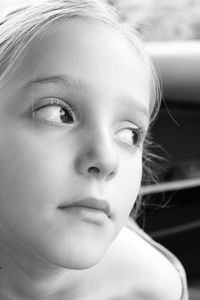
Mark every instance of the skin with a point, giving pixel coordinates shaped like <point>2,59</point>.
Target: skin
<point>45,251</point>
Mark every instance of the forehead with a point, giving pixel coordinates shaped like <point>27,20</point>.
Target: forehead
<point>89,50</point>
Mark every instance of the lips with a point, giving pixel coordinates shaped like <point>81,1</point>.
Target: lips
<point>91,203</point>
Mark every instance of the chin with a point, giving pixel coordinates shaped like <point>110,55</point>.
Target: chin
<point>72,247</point>
<point>83,263</point>
<point>77,254</point>
<point>85,256</point>
<point>77,261</point>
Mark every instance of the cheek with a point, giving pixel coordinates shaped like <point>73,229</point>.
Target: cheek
<point>31,174</point>
<point>127,185</point>
<point>133,181</point>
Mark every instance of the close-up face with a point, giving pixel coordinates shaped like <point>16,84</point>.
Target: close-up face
<point>73,117</point>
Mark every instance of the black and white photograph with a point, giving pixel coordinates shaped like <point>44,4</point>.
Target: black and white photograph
<point>99,149</point>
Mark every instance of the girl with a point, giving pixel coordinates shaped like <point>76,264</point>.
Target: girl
<point>78,94</point>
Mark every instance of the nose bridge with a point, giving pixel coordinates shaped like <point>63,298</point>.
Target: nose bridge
<point>98,154</point>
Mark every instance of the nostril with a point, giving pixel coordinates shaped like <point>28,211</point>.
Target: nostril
<point>112,174</point>
<point>94,170</point>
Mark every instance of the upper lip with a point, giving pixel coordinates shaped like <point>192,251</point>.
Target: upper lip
<point>91,202</point>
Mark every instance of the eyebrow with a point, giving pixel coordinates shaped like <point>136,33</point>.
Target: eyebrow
<point>68,81</point>
<point>64,80</point>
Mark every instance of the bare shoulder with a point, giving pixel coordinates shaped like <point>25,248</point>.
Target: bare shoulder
<point>139,267</point>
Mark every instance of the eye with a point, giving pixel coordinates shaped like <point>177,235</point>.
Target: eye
<point>130,136</point>
<point>55,111</point>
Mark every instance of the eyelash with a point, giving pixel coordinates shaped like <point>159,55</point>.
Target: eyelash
<point>140,136</point>
<point>138,133</point>
<point>53,103</point>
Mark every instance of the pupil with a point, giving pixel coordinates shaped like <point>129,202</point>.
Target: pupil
<point>65,116</point>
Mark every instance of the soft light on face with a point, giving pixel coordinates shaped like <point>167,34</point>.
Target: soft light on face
<point>73,118</point>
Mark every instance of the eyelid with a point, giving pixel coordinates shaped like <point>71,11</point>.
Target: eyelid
<point>133,125</point>
<point>140,131</point>
<point>53,101</point>
<point>141,135</point>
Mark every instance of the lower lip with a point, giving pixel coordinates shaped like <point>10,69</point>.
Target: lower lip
<point>87,214</point>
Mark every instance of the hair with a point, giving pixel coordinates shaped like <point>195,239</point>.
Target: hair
<point>19,25</point>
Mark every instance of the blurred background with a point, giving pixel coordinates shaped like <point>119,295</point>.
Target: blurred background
<point>164,20</point>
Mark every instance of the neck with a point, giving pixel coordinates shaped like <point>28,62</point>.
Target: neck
<point>24,276</point>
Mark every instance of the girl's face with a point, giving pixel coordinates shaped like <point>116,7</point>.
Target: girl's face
<point>73,117</point>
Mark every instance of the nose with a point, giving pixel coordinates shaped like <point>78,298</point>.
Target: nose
<point>97,158</point>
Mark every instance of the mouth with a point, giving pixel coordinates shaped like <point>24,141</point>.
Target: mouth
<point>90,203</point>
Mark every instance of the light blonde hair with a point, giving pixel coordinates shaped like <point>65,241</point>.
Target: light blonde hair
<point>21,24</point>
